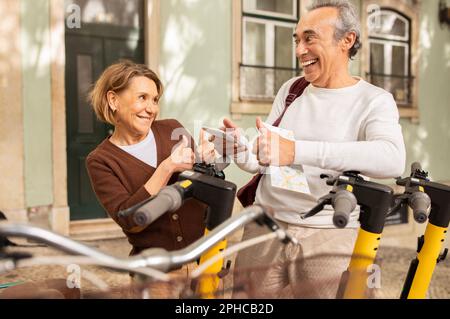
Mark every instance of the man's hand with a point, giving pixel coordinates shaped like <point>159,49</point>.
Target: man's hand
<point>272,149</point>
<point>232,149</point>
<point>206,148</point>
<point>209,146</point>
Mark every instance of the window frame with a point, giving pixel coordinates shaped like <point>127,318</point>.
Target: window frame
<point>405,19</point>
<point>274,14</point>
<point>411,12</point>
<point>390,43</point>
<point>388,57</point>
<point>270,55</point>
<point>241,106</point>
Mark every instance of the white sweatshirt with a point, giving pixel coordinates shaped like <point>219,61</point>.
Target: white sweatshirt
<point>336,130</point>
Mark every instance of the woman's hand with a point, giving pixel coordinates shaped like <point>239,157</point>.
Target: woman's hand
<point>234,149</point>
<point>181,159</point>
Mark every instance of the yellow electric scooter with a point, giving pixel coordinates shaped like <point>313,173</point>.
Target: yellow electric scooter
<point>207,185</point>
<point>375,201</point>
<point>218,194</point>
<point>417,188</point>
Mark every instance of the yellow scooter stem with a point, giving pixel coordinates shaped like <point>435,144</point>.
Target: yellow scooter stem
<point>422,268</point>
<point>209,282</point>
<point>363,257</point>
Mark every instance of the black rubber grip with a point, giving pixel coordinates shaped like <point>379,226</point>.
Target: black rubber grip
<point>344,202</point>
<point>169,199</point>
<point>420,203</point>
<point>415,167</point>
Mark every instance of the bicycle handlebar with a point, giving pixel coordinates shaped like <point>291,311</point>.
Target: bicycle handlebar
<point>156,258</point>
<point>9,229</point>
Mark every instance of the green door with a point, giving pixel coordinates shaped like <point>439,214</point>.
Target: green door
<point>89,50</point>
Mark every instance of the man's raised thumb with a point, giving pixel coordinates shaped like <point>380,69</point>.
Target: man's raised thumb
<point>259,123</point>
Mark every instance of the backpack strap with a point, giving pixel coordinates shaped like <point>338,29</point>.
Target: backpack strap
<point>295,91</point>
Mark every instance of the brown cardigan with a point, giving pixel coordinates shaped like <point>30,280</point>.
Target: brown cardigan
<point>118,180</point>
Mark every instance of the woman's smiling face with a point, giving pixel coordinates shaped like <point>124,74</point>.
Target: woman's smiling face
<point>136,108</point>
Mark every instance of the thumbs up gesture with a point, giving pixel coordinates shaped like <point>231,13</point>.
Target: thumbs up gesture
<point>182,157</point>
<point>271,148</point>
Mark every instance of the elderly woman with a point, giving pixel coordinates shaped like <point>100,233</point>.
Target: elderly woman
<point>140,157</point>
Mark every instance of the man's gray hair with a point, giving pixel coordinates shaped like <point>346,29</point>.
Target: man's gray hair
<point>348,21</point>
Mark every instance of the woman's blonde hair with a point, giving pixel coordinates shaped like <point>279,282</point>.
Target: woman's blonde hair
<point>116,78</point>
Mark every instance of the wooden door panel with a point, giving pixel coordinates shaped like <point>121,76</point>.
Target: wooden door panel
<point>86,58</point>
<point>84,64</point>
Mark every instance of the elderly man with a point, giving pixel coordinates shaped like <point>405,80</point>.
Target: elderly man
<point>339,123</point>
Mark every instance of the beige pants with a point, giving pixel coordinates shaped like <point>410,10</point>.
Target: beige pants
<point>311,269</point>
<point>173,289</point>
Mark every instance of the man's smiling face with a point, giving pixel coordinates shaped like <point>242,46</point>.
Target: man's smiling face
<point>320,55</point>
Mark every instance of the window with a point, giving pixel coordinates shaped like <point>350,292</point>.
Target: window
<point>125,13</point>
<point>390,54</point>
<point>267,48</point>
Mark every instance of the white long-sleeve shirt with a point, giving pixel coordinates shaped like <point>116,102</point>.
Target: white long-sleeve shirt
<point>336,130</point>
<point>145,150</point>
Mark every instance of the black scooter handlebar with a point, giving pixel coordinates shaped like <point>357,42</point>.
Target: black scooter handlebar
<point>344,202</point>
<point>420,204</point>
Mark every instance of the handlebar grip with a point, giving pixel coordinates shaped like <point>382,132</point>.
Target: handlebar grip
<point>344,202</point>
<point>168,199</point>
<point>420,203</point>
<point>415,167</point>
